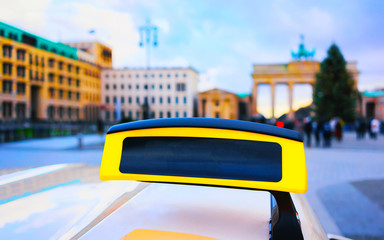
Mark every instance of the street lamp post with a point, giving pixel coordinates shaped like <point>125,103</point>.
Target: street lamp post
<point>148,38</point>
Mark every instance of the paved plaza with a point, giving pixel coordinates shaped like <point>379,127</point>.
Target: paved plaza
<point>346,187</point>
<point>346,182</point>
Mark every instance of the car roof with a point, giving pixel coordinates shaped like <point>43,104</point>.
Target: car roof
<point>218,213</point>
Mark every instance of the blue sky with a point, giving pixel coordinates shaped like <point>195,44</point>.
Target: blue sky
<point>220,39</point>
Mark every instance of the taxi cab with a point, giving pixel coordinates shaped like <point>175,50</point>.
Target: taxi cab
<point>171,179</point>
<point>207,179</point>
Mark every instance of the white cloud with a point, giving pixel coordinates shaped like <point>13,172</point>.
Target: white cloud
<point>163,25</point>
<point>209,79</point>
<point>29,15</point>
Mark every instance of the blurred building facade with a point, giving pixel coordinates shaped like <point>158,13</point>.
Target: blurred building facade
<point>41,80</point>
<point>217,103</point>
<point>294,72</point>
<point>372,104</point>
<point>163,92</point>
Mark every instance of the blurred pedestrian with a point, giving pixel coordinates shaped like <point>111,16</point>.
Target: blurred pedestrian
<point>100,127</point>
<point>332,125</point>
<point>360,129</point>
<point>338,130</point>
<point>375,127</point>
<point>369,125</point>
<point>308,130</point>
<point>318,129</point>
<point>327,134</point>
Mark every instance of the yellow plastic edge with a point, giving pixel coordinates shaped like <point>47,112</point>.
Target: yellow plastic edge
<point>294,170</point>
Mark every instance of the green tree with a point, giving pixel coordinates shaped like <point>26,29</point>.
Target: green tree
<point>334,94</point>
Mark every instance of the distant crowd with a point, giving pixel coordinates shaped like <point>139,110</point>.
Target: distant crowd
<point>326,131</point>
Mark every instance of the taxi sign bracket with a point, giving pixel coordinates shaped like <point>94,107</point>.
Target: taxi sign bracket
<point>285,223</point>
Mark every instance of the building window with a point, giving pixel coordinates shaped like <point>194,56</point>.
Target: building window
<point>51,77</point>
<point>107,115</point>
<point>168,114</point>
<point>7,51</point>
<point>185,100</point>
<point>122,100</point>
<point>69,112</point>
<point>180,87</point>
<point>152,114</point>
<point>20,88</point>
<point>114,99</point>
<point>78,96</point>
<point>69,68</point>
<point>217,115</point>
<point>69,81</point>
<point>51,92</point>
<point>77,70</point>
<point>130,114</point>
<point>69,95</point>
<point>176,75</point>
<point>153,75</point>
<point>107,99</point>
<point>51,62</point>
<point>7,86</point>
<point>153,86</point>
<point>145,86</point>
<point>137,100</point>
<point>122,86</point>
<point>106,76</point>
<point>37,60</point>
<point>61,93</point>
<point>20,71</point>
<point>177,114</point>
<point>169,100</point>
<point>161,75</point>
<point>129,86</point>
<point>217,103</point>
<point>61,65</point>
<point>145,75</point>
<point>161,114</point>
<point>20,111</point>
<point>51,112</point>
<point>61,79</point>
<point>185,75</point>
<point>169,75</point>
<point>145,100</point>
<point>185,114</point>
<point>161,100</point>
<point>137,86</point>
<point>7,109</point>
<point>137,75</point>
<point>20,54</point>
<point>107,86</point>
<point>114,86</point>
<point>137,115</point>
<point>169,86</point>
<point>129,100</point>
<point>77,83</point>
<point>153,100</point>
<point>7,68</point>
<point>177,100</point>
<point>161,86</point>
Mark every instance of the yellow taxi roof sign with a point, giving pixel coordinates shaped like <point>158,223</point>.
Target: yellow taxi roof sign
<point>203,151</point>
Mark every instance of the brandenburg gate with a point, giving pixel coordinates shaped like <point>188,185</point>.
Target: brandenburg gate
<point>302,70</point>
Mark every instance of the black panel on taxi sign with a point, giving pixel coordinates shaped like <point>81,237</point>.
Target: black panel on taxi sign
<point>202,158</point>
